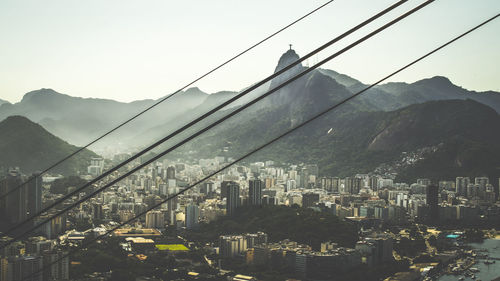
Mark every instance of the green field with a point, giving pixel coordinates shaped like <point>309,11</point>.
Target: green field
<point>171,247</point>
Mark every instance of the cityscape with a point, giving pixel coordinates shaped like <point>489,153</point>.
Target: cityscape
<point>326,140</point>
<point>408,229</point>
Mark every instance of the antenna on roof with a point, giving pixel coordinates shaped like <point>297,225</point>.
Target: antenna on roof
<point>290,46</point>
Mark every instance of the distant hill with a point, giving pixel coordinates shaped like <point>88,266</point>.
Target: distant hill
<point>79,120</point>
<point>3,101</point>
<point>30,147</point>
<point>392,96</point>
<point>437,140</point>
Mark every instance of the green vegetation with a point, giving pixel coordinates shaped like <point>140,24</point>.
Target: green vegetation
<point>463,131</point>
<point>60,186</point>
<point>108,255</point>
<point>410,247</point>
<point>474,235</point>
<point>171,247</point>
<point>281,222</point>
<point>30,147</point>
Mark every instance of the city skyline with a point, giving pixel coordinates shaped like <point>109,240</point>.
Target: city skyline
<point>131,52</point>
<point>317,175</point>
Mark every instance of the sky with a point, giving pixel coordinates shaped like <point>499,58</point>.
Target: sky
<point>130,50</point>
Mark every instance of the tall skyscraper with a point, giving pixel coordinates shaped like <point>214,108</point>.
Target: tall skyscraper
<point>224,188</point>
<point>34,194</point>
<point>233,197</point>
<point>13,208</point>
<point>255,192</point>
<point>348,185</point>
<point>192,216</point>
<point>358,185</point>
<point>172,207</point>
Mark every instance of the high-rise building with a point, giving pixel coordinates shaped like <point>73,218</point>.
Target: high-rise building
<point>472,190</point>
<point>268,200</point>
<point>353,185</point>
<point>4,268</point>
<point>373,183</point>
<point>330,184</point>
<point>54,227</point>
<point>309,199</point>
<point>96,166</point>
<point>163,189</point>
<point>27,268</point>
<point>34,194</point>
<point>254,239</point>
<point>232,245</point>
<point>432,200</point>
<point>326,183</point>
<point>461,184</point>
<point>255,192</point>
<point>224,188</point>
<point>59,265</point>
<point>358,185</point>
<point>496,189</point>
<point>308,175</point>
<point>171,208</point>
<point>233,197</point>
<point>482,182</point>
<point>97,212</point>
<point>192,216</point>
<point>207,188</point>
<point>155,219</point>
<point>425,182</point>
<point>13,208</point>
<point>290,185</point>
<point>348,184</point>
<point>171,172</point>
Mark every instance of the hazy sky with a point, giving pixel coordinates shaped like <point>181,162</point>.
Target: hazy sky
<point>128,50</point>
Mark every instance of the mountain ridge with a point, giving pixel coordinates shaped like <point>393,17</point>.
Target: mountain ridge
<point>79,120</point>
<point>30,147</point>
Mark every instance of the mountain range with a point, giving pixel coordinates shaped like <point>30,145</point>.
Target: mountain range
<point>396,128</point>
<point>431,128</point>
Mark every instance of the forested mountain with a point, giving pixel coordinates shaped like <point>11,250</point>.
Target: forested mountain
<point>30,147</point>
